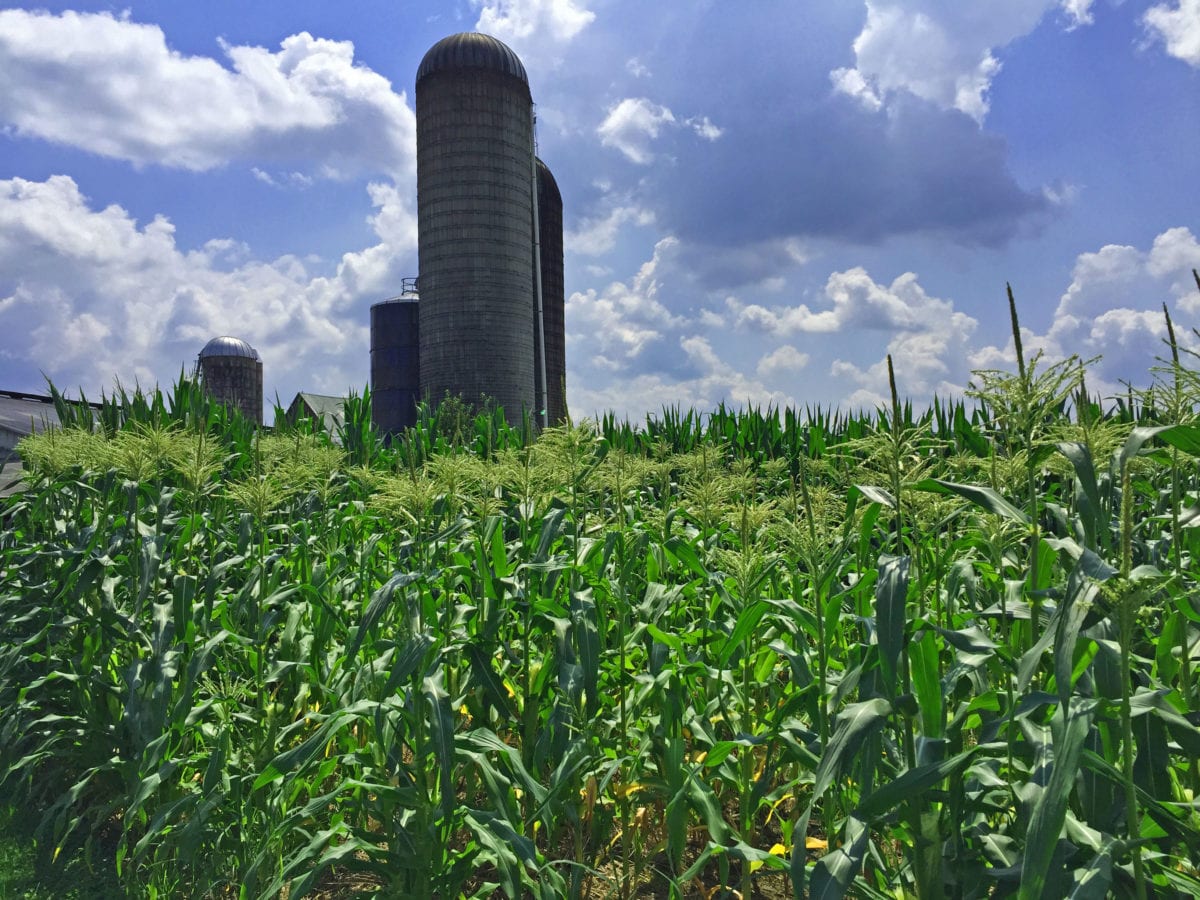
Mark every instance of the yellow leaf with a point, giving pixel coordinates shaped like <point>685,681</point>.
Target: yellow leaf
<point>588,793</point>
<point>624,791</point>
<point>779,850</point>
<point>812,843</point>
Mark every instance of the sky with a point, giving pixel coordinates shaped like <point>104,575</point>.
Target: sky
<point>762,200</point>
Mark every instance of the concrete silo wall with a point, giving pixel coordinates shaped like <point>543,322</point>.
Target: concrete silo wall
<point>395,364</point>
<point>235,381</point>
<point>550,222</point>
<point>475,230</point>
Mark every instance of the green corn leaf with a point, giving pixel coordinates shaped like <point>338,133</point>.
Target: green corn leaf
<point>683,551</point>
<point>1074,610</point>
<point>1051,810</point>
<point>1094,881</point>
<point>380,601</point>
<point>1182,437</point>
<point>1080,458</point>
<point>891,598</point>
<point>705,802</point>
<point>915,782</point>
<point>876,495</point>
<point>747,621</point>
<point>550,531</point>
<point>927,683</point>
<point>836,870</point>
<point>441,733</point>
<point>854,724</point>
<point>493,689</point>
<point>508,848</point>
<point>305,752</point>
<point>983,497</point>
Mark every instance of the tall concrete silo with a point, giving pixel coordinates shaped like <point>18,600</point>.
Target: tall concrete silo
<point>395,362</point>
<point>232,373</point>
<point>475,209</point>
<point>553,329</point>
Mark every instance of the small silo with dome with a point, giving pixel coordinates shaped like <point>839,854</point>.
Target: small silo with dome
<point>232,373</point>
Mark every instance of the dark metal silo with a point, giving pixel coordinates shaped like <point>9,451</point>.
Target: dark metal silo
<point>475,223</point>
<point>232,373</point>
<point>395,363</point>
<point>550,231</point>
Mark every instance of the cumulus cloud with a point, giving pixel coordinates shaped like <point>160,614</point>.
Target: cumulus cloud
<point>856,302</point>
<point>632,126</point>
<point>537,29</point>
<point>102,296</point>
<point>782,361</point>
<point>1113,309</point>
<point>632,352</point>
<point>942,51</point>
<point>598,235</point>
<point>1178,27</point>
<point>710,381</point>
<point>114,87</point>
<point>619,322</point>
<point>704,127</point>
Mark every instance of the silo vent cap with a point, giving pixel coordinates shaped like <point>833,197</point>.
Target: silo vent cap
<point>228,346</point>
<point>471,50</point>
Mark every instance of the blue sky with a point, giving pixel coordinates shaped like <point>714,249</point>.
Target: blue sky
<point>761,201</point>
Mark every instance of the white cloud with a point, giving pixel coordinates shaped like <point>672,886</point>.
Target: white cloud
<point>597,236</point>
<point>536,29</point>
<point>1113,308</point>
<point>1175,253</point>
<point>644,356</point>
<point>928,337</point>
<point>101,296</point>
<point>623,319</point>
<point>704,127</point>
<point>632,125</point>
<point>1061,193</point>
<point>940,50</point>
<point>1178,27</point>
<point>716,382</point>
<point>282,180</point>
<point>114,87</point>
<point>782,360</point>
<point>858,302</point>
<point>636,68</point>
<point>1079,12</point>
<point>852,83</point>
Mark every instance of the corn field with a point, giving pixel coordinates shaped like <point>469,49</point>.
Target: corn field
<point>939,653</point>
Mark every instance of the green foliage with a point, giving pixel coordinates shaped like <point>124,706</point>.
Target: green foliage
<point>758,650</point>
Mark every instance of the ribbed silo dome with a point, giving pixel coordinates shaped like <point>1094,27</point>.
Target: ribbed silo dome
<point>228,346</point>
<point>471,50</point>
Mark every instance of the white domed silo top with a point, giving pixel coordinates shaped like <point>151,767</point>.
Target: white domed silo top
<point>228,346</point>
<point>471,50</point>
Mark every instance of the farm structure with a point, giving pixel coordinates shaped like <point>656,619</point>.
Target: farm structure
<point>485,314</point>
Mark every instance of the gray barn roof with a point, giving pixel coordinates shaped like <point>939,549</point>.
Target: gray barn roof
<point>329,409</point>
<point>22,415</point>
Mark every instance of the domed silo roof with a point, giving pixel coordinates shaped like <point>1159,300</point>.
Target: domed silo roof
<point>228,346</point>
<point>471,50</point>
